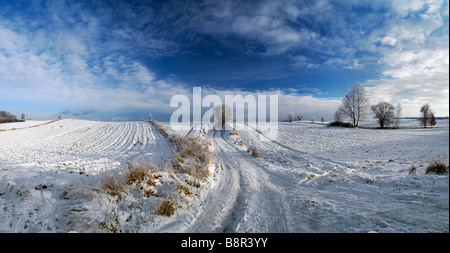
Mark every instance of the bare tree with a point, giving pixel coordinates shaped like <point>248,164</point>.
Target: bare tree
<point>22,117</point>
<point>425,115</point>
<point>355,104</point>
<point>7,117</point>
<point>337,116</point>
<point>222,114</point>
<point>384,112</point>
<point>398,112</point>
<point>290,117</point>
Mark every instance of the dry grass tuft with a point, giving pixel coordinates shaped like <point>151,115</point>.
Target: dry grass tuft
<point>254,152</point>
<point>166,208</point>
<point>161,127</point>
<point>150,192</point>
<point>192,156</point>
<point>139,172</point>
<point>234,132</point>
<point>412,169</point>
<point>437,166</point>
<point>113,185</point>
<point>185,189</point>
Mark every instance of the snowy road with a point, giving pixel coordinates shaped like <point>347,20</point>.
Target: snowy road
<point>258,206</point>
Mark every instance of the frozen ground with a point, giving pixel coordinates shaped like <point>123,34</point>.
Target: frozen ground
<point>28,123</point>
<point>357,180</point>
<point>312,178</point>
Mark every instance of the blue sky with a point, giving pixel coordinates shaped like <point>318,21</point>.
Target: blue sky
<point>121,60</point>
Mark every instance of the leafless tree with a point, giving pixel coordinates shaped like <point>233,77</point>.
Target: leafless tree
<point>398,112</point>
<point>222,114</point>
<point>337,116</point>
<point>355,104</point>
<point>7,117</point>
<point>384,112</point>
<point>290,117</point>
<point>425,115</point>
<point>22,117</point>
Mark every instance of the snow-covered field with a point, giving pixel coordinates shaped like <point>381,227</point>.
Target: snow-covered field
<point>312,178</point>
<point>16,125</point>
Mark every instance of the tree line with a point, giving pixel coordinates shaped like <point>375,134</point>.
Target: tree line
<point>355,107</point>
<point>6,117</point>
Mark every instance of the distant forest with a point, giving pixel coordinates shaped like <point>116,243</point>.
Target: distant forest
<point>8,117</point>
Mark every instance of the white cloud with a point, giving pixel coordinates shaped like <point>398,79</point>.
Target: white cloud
<point>415,78</point>
<point>388,40</point>
<point>66,80</point>
<point>303,61</point>
<point>65,66</point>
<point>414,56</point>
<point>289,100</point>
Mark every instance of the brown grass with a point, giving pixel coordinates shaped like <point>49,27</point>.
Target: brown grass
<point>254,152</point>
<point>166,208</point>
<point>113,185</point>
<point>185,189</point>
<point>437,166</point>
<point>139,172</point>
<point>412,169</point>
<point>161,128</point>
<point>192,156</point>
<point>234,132</point>
<point>150,192</point>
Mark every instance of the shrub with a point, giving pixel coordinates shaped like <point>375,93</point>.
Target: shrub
<point>432,120</point>
<point>7,117</point>
<point>341,124</point>
<point>437,166</point>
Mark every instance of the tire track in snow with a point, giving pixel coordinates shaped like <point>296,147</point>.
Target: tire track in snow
<point>259,207</point>
<point>220,201</point>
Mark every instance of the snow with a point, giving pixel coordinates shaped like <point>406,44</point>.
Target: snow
<point>312,178</point>
<point>16,125</point>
